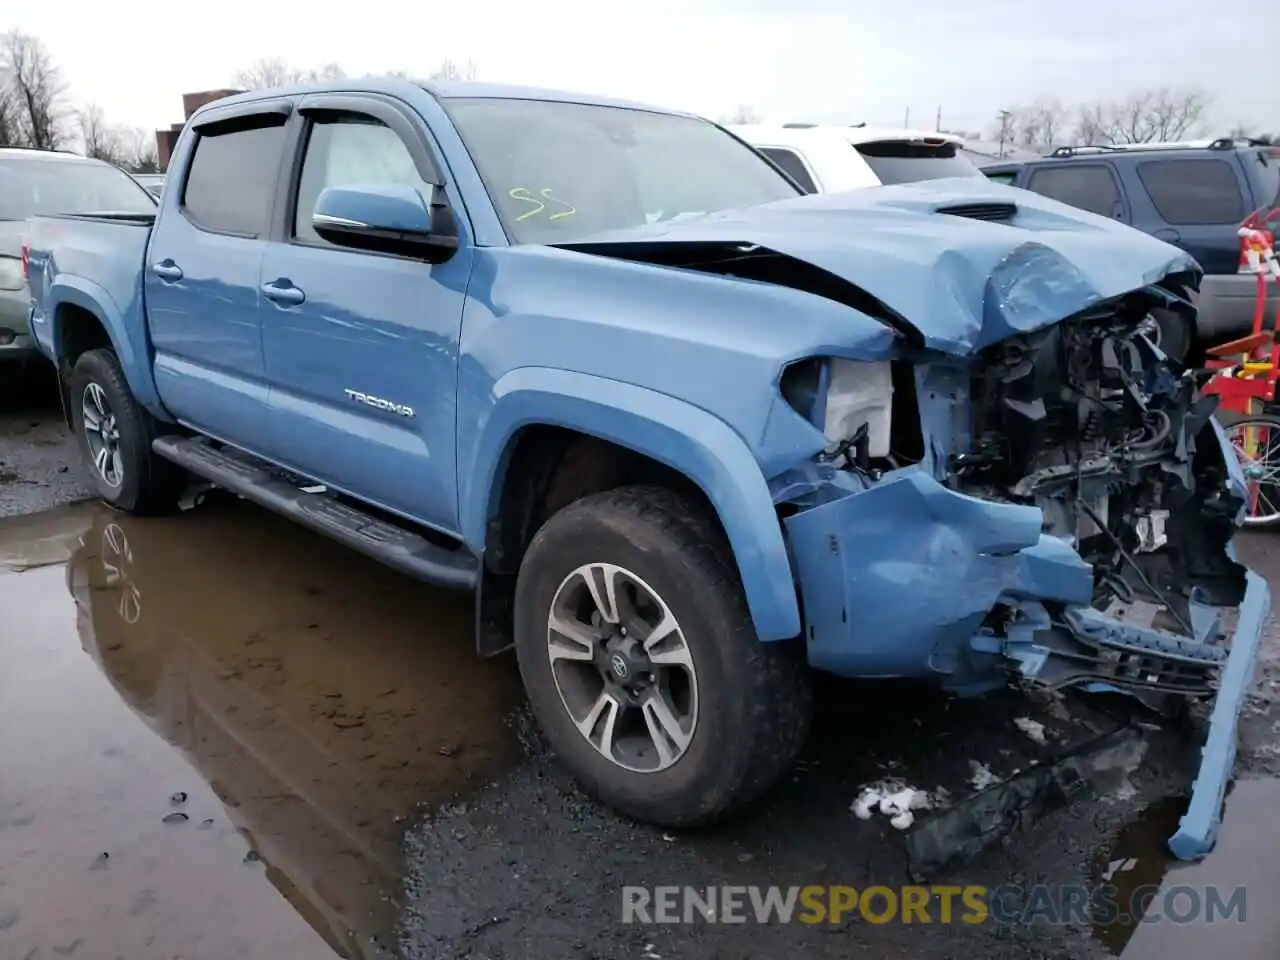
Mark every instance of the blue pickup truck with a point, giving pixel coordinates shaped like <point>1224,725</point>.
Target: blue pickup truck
<point>686,432</point>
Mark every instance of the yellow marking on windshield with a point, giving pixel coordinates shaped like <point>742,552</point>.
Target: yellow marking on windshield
<point>568,210</point>
<point>525,195</point>
<point>522,194</point>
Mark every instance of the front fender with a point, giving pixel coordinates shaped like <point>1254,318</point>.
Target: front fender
<point>132,348</point>
<point>685,438</point>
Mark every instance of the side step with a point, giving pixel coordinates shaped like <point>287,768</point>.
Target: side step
<point>395,546</point>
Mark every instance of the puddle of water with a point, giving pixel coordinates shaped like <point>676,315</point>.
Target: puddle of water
<point>315,700</point>
<point>1138,857</point>
<point>44,539</point>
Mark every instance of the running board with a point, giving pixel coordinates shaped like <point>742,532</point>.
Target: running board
<point>395,546</point>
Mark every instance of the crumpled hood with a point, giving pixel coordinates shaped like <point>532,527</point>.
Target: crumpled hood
<point>962,283</point>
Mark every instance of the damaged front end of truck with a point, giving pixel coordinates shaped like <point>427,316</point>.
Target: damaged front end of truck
<point>1056,509</point>
<point>1022,487</point>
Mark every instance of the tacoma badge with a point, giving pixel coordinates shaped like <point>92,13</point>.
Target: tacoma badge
<point>379,404</point>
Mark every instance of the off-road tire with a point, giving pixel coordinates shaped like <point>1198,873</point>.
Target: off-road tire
<point>150,483</point>
<point>755,698</point>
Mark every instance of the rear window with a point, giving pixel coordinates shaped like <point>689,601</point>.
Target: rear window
<point>907,161</point>
<point>45,187</point>
<point>231,182</point>
<point>793,165</point>
<point>1266,175</point>
<point>1088,186</point>
<point>1199,191</point>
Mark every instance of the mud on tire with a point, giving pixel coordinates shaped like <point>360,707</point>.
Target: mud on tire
<point>143,482</point>
<point>754,700</point>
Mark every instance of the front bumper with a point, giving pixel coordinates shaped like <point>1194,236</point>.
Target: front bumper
<point>897,578</point>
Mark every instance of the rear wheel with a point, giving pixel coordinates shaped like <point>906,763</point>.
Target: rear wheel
<point>642,665</point>
<point>1256,441</point>
<point>115,435</point>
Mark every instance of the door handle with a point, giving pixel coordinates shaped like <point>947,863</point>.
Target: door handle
<point>167,270</point>
<point>283,291</point>
<point>1167,235</point>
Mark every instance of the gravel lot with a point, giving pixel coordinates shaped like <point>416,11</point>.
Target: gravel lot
<point>351,776</point>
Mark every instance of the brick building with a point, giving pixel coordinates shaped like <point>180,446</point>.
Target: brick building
<point>166,140</point>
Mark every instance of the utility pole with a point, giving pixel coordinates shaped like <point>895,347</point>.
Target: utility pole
<point>906,117</point>
<point>1005,117</point>
<point>938,125</point>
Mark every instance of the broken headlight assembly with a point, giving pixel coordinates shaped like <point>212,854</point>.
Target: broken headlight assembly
<point>850,401</point>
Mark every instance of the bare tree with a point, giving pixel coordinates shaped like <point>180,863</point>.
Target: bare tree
<point>10,129</point>
<point>138,150</point>
<point>1038,125</point>
<point>36,89</point>
<point>450,70</point>
<point>278,72</point>
<point>98,139</point>
<point>1093,124</point>
<point>1145,116</point>
<point>742,114</point>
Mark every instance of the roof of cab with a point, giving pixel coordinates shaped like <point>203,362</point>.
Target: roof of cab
<point>441,90</point>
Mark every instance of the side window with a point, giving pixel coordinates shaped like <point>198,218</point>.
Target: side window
<point>1187,192</point>
<point>1087,186</point>
<point>232,178</point>
<point>346,151</point>
<point>791,163</point>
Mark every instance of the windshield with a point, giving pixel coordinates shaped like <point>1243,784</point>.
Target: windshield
<point>907,161</point>
<point>562,171</point>
<point>41,186</point>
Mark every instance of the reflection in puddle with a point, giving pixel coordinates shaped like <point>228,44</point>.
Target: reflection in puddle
<point>320,699</point>
<point>1136,860</point>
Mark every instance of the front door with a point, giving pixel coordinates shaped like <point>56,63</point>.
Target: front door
<point>361,348</point>
<point>201,278</point>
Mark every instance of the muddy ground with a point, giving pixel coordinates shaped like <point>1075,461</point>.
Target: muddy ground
<point>223,736</point>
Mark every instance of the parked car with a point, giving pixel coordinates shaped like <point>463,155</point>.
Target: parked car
<point>1193,195</point>
<point>151,182</point>
<point>48,182</point>
<point>828,159</point>
<point>687,432</point>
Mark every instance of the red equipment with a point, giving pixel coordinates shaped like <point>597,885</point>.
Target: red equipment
<point>1249,367</point>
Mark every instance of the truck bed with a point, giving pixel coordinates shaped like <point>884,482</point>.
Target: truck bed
<point>65,252</point>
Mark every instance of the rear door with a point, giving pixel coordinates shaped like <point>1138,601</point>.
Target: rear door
<point>202,274</point>
<point>1091,186</point>
<point>1201,201</point>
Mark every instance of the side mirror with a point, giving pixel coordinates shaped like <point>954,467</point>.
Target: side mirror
<point>389,218</point>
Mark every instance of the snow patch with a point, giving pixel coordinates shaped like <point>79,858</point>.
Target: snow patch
<point>897,801</point>
<point>981,776</point>
<point>1032,728</point>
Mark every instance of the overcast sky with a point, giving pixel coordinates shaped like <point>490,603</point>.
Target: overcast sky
<point>788,59</point>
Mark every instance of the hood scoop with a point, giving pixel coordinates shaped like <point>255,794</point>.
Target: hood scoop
<point>993,212</point>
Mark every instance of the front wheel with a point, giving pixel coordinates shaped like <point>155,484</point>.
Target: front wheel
<point>641,663</point>
<point>1255,438</point>
<point>115,436</point>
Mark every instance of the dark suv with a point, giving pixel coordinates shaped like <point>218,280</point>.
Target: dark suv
<point>1193,195</point>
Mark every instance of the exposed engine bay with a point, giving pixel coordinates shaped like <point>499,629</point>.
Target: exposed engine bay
<point>1089,422</point>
